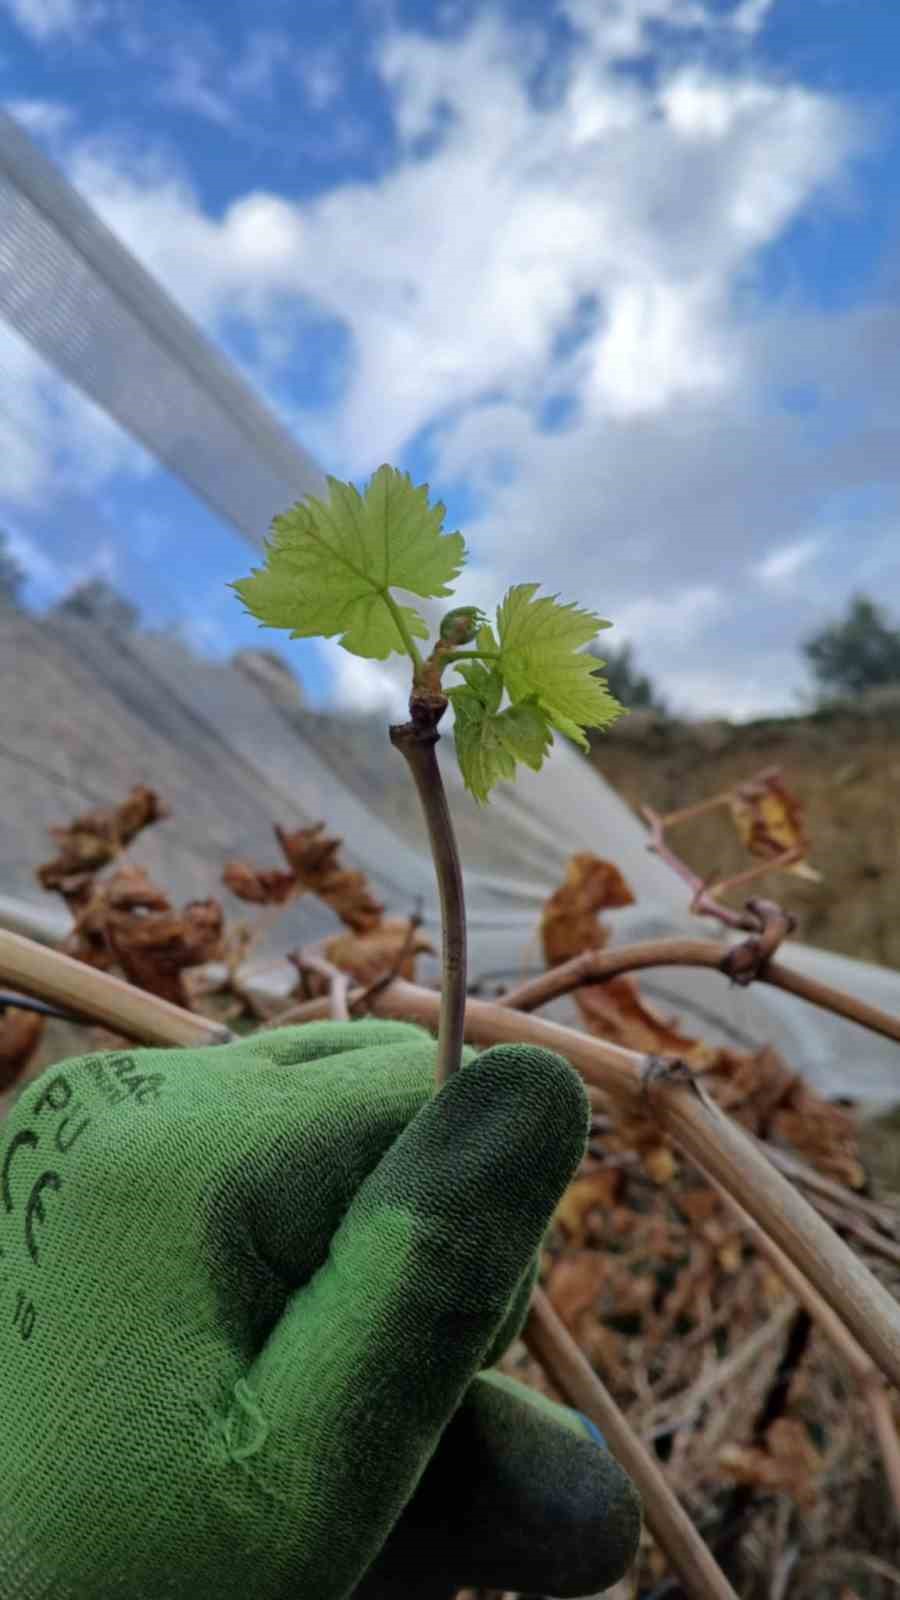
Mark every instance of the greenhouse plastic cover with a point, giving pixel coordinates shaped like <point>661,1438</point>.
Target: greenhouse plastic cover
<point>70,288</point>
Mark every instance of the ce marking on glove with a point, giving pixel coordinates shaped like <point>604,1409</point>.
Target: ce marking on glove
<point>24,1201</point>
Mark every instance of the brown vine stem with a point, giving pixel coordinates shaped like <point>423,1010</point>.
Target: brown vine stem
<point>595,966</point>
<point>553,1346</point>
<point>99,997</point>
<point>311,959</point>
<point>417,742</point>
<point>705,892</point>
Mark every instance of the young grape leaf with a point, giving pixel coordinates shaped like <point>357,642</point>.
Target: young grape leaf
<point>489,742</point>
<point>329,567</point>
<point>540,656</point>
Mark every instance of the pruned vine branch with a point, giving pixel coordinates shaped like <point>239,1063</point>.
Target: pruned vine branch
<point>595,966</point>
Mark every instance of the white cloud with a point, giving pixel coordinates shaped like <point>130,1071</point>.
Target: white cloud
<point>624,29</point>
<point>459,275</point>
<point>360,685</point>
<point>675,620</point>
<point>322,77</point>
<point>203,77</point>
<point>621,28</point>
<point>44,19</point>
<point>42,118</point>
<point>751,16</point>
<point>264,51</point>
<point>188,86</point>
<point>456,272</point>
<point>783,564</point>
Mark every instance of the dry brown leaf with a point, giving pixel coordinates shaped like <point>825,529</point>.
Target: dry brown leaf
<point>616,1011</point>
<point>20,1034</point>
<point>129,890</point>
<point>699,1205</point>
<point>730,1256</point>
<point>312,856</point>
<point>132,889</point>
<point>789,1462</point>
<point>574,1283</point>
<point>153,950</point>
<point>369,956</point>
<point>659,1163</point>
<point>769,821</point>
<point>94,839</point>
<point>261,886</point>
<point>570,923</point>
<point>587,1193</point>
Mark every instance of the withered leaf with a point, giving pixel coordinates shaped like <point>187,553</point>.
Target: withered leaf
<point>769,821</point>
<point>570,923</point>
<point>659,1163</point>
<point>312,856</point>
<point>575,1282</point>
<point>699,1205</point>
<point>617,1011</point>
<point>94,839</point>
<point>132,889</point>
<point>370,955</point>
<point>262,886</point>
<point>789,1462</point>
<point>584,1195</point>
<point>154,949</point>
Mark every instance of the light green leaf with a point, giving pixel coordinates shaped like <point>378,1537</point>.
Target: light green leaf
<point>541,656</point>
<point>485,682</point>
<point>490,742</point>
<point>330,566</point>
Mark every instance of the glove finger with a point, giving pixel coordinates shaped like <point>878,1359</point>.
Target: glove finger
<point>519,1495</point>
<point>346,1402</point>
<point>311,1041</point>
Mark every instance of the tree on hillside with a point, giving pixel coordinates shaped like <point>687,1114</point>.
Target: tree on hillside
<point>858,651</point>
<point>97,602</point>
<point>12,575</point>
<point>629,685</point>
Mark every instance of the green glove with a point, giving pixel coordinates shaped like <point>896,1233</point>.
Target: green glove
<point>246,1296</point>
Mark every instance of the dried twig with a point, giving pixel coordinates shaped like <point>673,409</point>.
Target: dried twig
<point>595,966</point>
<point>743,1495</point>
<point>838,1335</point>
<point>311,959</point>
<point>883,1216</point>
<point>843,1217</point>
<point>99,997</point>
<point>703,891</point>
<point>570,1371</point>
<point>721,1375</point>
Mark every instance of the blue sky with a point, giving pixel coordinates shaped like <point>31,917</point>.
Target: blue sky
<point>618,278</point>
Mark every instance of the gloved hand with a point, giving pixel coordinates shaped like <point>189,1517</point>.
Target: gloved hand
<point>247,1297</point>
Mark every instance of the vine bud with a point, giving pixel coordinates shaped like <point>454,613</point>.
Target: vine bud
<point>461,625</point>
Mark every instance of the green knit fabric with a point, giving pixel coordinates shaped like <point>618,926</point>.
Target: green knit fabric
<point>245,1298</point>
